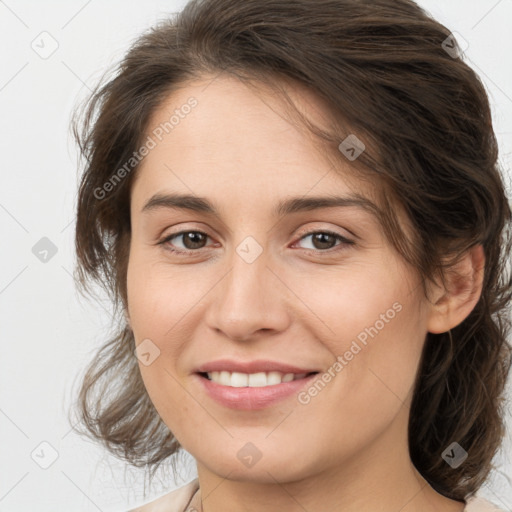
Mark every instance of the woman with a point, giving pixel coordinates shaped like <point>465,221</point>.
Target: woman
<point>298,208</point>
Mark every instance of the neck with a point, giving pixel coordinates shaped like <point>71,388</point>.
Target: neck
<point>380,478</point>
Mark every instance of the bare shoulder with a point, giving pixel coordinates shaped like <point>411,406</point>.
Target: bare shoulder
<point>174,501</point>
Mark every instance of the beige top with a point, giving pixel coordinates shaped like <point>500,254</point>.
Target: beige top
<point>188,499</point>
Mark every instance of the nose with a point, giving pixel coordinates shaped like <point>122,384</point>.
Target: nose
<point>248,301</point>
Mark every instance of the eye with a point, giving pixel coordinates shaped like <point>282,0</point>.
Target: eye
<point>325,240</point>
<point>191,240</point>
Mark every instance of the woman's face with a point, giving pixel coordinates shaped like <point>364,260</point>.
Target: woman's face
<point>267,292</point>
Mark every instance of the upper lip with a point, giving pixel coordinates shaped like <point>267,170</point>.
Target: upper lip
<point>255,366</point>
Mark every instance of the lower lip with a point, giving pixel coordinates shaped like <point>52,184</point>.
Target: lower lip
<point>247,398</point>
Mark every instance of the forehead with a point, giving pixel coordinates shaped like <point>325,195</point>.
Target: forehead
<point>219,132</point>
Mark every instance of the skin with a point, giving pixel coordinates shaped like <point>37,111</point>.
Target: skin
<point>297,303</point>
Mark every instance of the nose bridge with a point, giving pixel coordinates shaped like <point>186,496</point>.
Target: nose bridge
<point>247,298</point>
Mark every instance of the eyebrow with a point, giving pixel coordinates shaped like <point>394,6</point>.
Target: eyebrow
<point>284,207</point>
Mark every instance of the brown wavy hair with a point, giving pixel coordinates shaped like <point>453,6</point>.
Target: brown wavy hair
<point>383,69</point>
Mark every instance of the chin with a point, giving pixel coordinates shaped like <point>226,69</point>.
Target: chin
<point>246,465</point>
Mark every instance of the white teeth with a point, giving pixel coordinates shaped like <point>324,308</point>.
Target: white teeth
<point>273,378</point>
<point>239,380</point>
<point>257,380</point>
<point>252,380</point>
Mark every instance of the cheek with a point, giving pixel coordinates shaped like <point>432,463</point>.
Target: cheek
<point>172,403</point>
<point>159,300</point>
<point>360,303</point>
<point>160,304</point>
<point>370,382</point>
<point>373,325</point>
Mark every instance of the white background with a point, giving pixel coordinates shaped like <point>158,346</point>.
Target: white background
<point>47,332</point>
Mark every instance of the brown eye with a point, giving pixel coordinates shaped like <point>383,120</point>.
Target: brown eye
<point>191,240</point>
<point>325,240</point>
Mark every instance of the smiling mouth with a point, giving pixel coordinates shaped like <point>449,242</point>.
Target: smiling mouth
<point>252,380</point>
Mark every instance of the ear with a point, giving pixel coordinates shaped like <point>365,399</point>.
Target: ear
<point>452,303</point>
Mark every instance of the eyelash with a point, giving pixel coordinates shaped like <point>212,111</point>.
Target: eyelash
<point>335,249</point>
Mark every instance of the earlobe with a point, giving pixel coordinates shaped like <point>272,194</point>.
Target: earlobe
<point>453,303</point>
